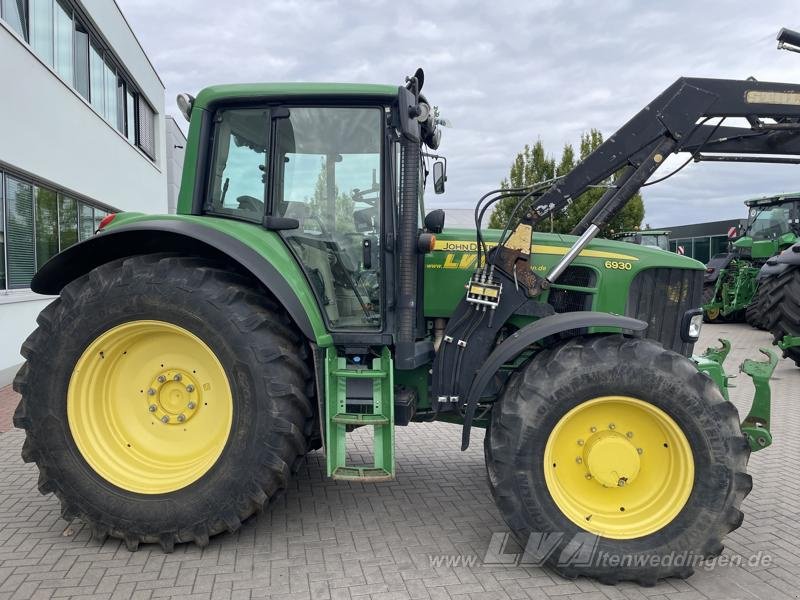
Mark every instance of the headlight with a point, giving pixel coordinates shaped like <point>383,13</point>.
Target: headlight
<point>691,324</point>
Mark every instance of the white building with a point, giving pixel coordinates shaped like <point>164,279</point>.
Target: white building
<point>82,133</point>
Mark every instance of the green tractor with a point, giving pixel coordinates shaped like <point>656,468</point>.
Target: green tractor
<point>191,361</point>
<point>655,238</point>
<point>731,288</point>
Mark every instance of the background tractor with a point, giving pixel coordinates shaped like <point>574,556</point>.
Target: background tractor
<point>731,288</point>
<point>655,238</point>
<point>190,361</point>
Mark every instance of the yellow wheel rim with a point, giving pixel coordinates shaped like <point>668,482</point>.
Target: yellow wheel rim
<point>618,467</point>
<point>712,314</point>
<point>149,407</point>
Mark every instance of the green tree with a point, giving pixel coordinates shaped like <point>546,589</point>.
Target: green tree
<point>344,204</point>
<point>533,165</point>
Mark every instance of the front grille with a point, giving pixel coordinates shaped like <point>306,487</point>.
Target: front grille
<point>661,297</point>
<point>569,300</point>
<point>577,276</point>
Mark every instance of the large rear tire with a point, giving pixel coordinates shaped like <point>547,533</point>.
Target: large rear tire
<point>620,438</point>
<point>164,400</point>
<point>784,318</point>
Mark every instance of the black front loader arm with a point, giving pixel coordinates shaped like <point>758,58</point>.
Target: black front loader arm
<point>674,122</point>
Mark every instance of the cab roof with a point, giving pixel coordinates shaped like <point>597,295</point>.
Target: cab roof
<point>254,91</point>
<point>777,199</point>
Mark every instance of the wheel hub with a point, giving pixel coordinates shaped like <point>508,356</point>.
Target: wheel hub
<point>173,397</point>
<point>618,466</point>
<point>611,458</point>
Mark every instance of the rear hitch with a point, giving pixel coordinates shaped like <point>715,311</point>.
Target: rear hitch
<point>756,424</point>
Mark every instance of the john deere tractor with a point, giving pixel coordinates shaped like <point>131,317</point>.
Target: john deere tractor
<point>190,361</point>
<point>732,288</point>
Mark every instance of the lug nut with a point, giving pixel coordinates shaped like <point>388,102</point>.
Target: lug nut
<point>612,426</point>
<point>181,418</point>
<point>161,379</point>
<point>151,392</point>
<point>580,442</point>
<point>165,419</point>
<point>588,476</point>
<point>190,388</point>
<point>191,405</point>
<point>579,460</point>
<point>621,482</point>
<point>593,429</point>
<point>152,408</point>
<point>177,377</point>
<point>639,450</point>
<point>629,434</point>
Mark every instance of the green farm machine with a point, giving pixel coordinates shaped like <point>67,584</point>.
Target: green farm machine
<point>730,284</point>
<point>192,360</point>
<point>655,238</point>
<point>757,278</point>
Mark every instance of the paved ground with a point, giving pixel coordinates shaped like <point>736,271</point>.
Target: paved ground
<point>332,540</point>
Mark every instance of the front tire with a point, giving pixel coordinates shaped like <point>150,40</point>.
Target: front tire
<point>640,416</point>
<point>165,399</point>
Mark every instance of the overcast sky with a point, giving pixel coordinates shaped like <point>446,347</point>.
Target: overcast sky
<point>504,73</point>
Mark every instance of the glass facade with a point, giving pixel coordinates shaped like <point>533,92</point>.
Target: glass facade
<point>36,222</point>
<point>700,248</point>
<point>59,36</point>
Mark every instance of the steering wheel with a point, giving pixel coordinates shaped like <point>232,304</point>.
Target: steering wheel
<point>250,204</point>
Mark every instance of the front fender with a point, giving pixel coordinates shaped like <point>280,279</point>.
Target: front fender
<point>285,280</point>
<point>520,340</point>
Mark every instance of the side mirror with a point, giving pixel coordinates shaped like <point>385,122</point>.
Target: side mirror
<point>439,177</point>
<point>434,221</point>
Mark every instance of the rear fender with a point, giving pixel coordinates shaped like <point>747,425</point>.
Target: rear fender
<point>193,239</point>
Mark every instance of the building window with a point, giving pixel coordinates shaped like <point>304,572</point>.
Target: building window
<point>146,129</point>
<point>81,60</point>
<point>130,117</point>
<point>85,221</point>
<point>67,221</point>
<point>97,91</point>
<point>37,222</point>
<point>2,234</point>
<point>19,230</point>
<point>15,13</point>
<point>64,42</point>
<point>42,29</point>
<point>46,221</point>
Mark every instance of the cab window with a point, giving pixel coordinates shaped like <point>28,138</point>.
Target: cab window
<point>238,184</point>
<point>328,177</point>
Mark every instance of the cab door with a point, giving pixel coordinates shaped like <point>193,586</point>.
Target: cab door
<point>327,174</point>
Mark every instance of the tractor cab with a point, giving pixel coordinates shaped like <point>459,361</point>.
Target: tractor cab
<point>772,224</point>
<point>647,237</point>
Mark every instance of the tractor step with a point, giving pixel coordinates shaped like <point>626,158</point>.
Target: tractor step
<point>360,419</point>
<point>377,403</point>
<point>362,474</point>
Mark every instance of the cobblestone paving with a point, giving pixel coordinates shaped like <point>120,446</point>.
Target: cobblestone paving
<point>335,540</point>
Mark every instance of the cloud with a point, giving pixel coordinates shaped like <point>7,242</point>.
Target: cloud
<point>505,73</point>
